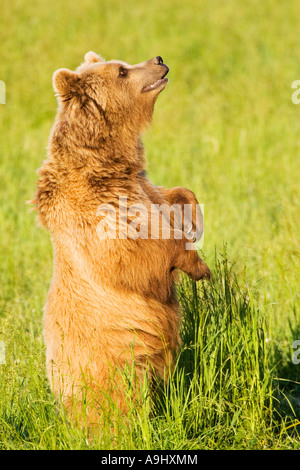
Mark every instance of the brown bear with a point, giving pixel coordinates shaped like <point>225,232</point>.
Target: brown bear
<point>112,300</point>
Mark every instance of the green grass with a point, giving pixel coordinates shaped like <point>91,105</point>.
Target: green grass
<point>226,128</point>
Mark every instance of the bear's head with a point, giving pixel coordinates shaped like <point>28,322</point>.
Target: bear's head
<point>101,98</point>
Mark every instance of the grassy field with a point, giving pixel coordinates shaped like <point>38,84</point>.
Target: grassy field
<point>225,127</point>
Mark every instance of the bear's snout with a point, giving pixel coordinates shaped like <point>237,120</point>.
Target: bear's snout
<point>158,81</point>
<point>159,60</point>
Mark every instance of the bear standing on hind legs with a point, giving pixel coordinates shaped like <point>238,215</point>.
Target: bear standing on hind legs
<point>110,299</point>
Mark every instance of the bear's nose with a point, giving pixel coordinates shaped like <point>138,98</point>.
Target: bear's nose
<point>159,60</point>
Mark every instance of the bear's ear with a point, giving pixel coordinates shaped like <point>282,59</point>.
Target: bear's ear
<point>91,57</point>
<point>65,82</point>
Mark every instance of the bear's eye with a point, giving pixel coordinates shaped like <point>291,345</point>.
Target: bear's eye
<point>123,72</point>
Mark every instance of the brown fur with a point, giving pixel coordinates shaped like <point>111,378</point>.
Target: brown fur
<point>109,300</point>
